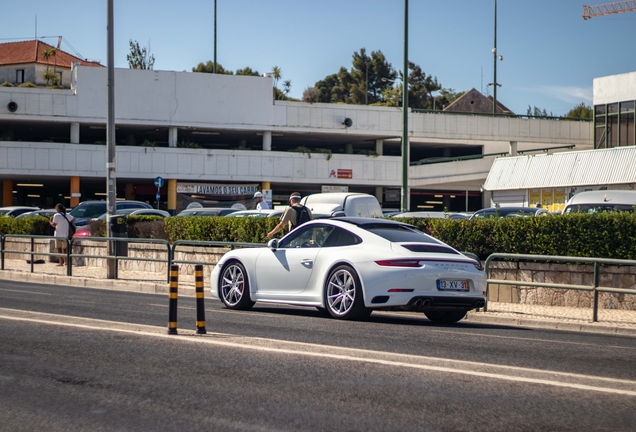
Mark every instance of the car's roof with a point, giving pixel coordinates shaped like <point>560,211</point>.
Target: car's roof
<point>19,207</point>
<point>200,209</point>
<point>509,209</point>
<point>607,197</point>
<point>267,212</point>
<point>365,222</point>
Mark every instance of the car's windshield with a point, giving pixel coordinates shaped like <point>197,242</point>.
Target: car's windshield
<point>3,212</point>
<point>598,208</point>
<point>88,211</point>
<point>399,233</point>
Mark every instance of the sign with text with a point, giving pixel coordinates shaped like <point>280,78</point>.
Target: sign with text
<point>217,189</point>
<point>334,189</point>
<point>341,173</point>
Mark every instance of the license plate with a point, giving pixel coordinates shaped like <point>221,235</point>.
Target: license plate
<point>453,285</point>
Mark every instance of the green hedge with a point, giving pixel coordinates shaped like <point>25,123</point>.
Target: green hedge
<point>232,229</point>
<point>606,235</point>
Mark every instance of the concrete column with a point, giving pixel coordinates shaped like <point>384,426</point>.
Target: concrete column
<point>75,133</point>
<point>267,141</point>
<point>130,191</point>
<point>349,148</point>
<point>75,191</point>
<point>7,193</point>
<point>172,196</point>
<point>379,147</point>
<point>513,148</point>
<point>486,199</point>
<point>173,135</point>
<point>266,185</point>
<point>378,192</point>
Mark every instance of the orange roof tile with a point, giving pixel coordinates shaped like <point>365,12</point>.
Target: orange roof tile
<point>32,51</point>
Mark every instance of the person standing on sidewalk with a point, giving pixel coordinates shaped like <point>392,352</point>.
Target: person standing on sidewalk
<point>62,224</point>
<point>261,204</point>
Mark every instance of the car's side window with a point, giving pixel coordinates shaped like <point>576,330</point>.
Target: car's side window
<point>341,237</point>
<point>308,236</point>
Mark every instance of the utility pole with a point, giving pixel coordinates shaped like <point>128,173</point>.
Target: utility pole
<point>111,179</point>
<point>494,53</point>
<point>405,114</point>
<point>214,70</point>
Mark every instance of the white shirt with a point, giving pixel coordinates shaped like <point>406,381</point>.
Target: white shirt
<point>262,206</point>
<point>61,226</point>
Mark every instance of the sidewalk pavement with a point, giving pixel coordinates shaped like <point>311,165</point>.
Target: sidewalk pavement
<point>611,321</point>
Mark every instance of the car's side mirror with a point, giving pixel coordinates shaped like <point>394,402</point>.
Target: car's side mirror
<point>273,244</point>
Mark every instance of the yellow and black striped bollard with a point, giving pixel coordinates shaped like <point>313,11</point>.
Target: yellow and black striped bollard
<point>198,293</point>
<point>174,290</point>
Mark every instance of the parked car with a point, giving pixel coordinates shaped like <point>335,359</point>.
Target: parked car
<point>431,215</point>
<point>88,210</point>
<point>16,211</point>
<point>601,201</point>
<point>257,213</point>
<point>49,213</point>
<point>207,211</point>
<point>349,267</point>
<point>328,205</point>
<point>85,231</point>
<point>509,212</point>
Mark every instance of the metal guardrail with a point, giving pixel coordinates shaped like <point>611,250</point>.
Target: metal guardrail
<point>594,288</point>
<point>169,260</point>
<point>436,160</point>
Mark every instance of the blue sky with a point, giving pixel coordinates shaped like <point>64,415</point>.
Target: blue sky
<point>551,55</point>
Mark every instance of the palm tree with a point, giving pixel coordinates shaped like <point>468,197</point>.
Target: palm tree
<point>286,87</point>
<point>51,77</point>
<point>277,74</point>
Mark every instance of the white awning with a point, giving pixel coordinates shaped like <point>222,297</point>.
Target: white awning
<point>577,168</point>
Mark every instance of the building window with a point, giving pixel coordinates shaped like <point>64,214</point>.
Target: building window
<point>59,79</point>
<point>19,76</point>
<point>614,125</point>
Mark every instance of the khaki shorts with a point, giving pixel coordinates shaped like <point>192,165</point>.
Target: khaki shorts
<point>60,244</point>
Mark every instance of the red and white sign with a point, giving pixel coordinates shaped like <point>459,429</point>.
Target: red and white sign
<point>341,173</point>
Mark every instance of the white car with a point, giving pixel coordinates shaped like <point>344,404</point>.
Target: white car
<point>352,266</point>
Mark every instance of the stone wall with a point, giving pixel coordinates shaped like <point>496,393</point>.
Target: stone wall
<point>98,249</point>
<point>571,274</point>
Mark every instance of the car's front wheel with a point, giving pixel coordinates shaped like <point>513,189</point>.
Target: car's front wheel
<point>343,294</point>
<point>234,288</point>
<point>445,317</point>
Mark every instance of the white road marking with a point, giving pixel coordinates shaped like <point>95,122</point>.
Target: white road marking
<point>477,369</point>
<point>26,292</point>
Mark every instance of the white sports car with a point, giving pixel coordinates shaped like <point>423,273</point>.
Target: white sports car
<point>352,266</point>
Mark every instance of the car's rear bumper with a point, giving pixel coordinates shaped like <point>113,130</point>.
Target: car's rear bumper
<point>423,302</point>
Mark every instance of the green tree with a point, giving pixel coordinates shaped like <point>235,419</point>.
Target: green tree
<point>52,80</point>
<point>140,58</point>
<point>246,71</point>
<point>311,95</point>
<point>581,111</point>
<point>375,68</point>
<point>208,67</point>
<point>538,112</point>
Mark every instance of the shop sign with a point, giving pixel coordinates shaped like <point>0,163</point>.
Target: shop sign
<point>216,189</point>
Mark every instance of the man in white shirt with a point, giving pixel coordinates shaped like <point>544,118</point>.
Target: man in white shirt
<point>62,224</point>
<point>260,204</point>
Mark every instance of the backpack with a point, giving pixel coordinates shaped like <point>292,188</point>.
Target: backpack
<point>71,227</point>
<point>302,215</point>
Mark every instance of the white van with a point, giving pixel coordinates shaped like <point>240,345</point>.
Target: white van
<point>599,201</point>
<point>327,205</point>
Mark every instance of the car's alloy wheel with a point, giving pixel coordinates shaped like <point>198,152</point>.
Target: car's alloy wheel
<point>344,294</point>
<point>234,288</point>
<point>445,317</point>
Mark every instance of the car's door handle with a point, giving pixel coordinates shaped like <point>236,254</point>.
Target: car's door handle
<point>307,262</point>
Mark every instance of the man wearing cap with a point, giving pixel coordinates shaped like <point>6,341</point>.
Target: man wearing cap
<point>260,204</point>
<point>290,216</point>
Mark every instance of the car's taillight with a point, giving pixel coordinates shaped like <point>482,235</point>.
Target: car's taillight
<point>478,265</point>
<point>399,263</point>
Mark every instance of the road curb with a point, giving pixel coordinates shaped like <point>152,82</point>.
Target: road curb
<point>86,282</point>
<point>481,318</point>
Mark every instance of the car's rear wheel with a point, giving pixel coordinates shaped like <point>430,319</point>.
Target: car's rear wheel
<point>234,288</point>
<point>343,294</point>
<point>445,317</point>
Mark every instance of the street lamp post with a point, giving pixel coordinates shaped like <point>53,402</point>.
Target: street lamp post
<point>214,68</point>
<point>111,179</point>
<point>405,114</point>
<point>366,87</point>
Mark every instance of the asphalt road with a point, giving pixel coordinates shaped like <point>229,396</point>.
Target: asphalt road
<point>95,360</point>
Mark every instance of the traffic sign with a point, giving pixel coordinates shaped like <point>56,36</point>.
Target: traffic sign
<point>159,182</point>
<point>158,197</point>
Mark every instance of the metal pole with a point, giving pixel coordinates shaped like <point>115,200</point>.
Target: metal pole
<point>366,87</point>
<point>595,298</point>
<point>494,82</point>
<point>214,70</point>
<point>111,180</point>
<point>405,113</point>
